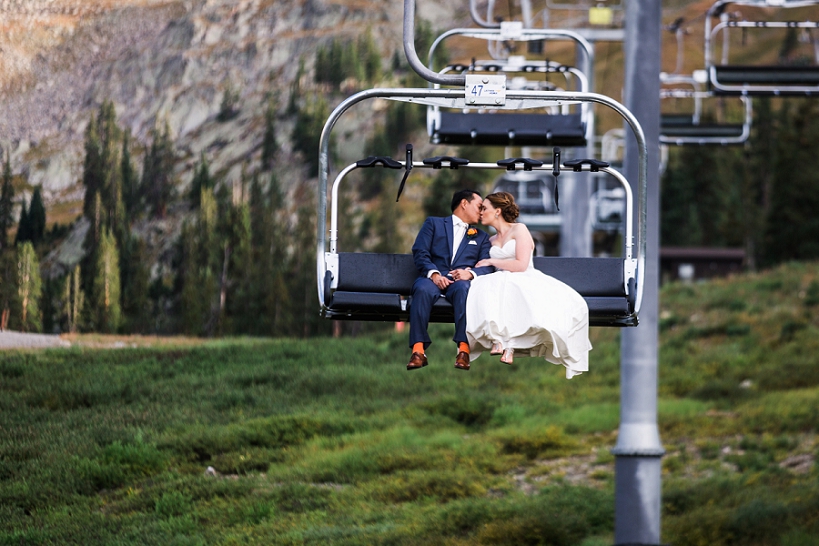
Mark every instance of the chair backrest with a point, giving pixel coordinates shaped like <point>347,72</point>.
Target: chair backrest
<point>395,273</point>
<point>510,129</point>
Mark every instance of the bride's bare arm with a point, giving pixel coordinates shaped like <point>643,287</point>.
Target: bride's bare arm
<point>523,249</point>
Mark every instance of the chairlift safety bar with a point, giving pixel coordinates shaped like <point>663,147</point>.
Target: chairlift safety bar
<point>546,167</point>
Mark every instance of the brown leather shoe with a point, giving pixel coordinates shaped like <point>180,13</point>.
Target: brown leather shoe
<point>417,361</point>
<point>462,361</point>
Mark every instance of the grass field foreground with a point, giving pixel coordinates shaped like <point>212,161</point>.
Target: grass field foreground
<point>332,441</point>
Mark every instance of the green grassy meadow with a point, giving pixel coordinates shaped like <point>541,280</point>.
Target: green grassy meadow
<point>332,441</point>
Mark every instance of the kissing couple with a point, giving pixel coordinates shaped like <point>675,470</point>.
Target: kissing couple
<point>501,303</point>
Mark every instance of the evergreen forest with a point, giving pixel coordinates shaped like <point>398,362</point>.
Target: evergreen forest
<point>242,262</point>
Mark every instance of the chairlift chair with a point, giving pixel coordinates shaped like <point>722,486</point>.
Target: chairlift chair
<point>485,127</point>
<point>370,286</point>
<point>684,129</point>
<point>772,80</point>
<point>558,127</point>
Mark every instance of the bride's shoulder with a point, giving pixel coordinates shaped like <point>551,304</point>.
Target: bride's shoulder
<point>519,229</point>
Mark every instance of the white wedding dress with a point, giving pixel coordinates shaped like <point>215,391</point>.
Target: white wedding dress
<point>529,312</point>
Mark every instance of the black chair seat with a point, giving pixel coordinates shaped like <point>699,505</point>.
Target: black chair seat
<point>676,127</point>
<point>377,287</point>
<point>502,129</point>
<point>783,78</point>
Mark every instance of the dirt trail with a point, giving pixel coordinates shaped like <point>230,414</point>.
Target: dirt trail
<point>20,340</point>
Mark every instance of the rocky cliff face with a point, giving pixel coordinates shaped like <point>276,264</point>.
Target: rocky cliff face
<point>166,60</point>
<point>161,60</point>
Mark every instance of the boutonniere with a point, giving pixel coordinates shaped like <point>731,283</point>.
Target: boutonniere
<point>471,232</point>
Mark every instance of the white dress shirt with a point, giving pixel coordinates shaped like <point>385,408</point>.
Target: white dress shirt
<point>459,228</point>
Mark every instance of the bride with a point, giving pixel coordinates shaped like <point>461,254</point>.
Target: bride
<point>518,308</point>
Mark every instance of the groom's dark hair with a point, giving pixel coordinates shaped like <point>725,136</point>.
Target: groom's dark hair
<point>461,195</point>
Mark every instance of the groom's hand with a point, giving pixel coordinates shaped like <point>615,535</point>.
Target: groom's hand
<point>461,274</point>
<point>441,281</point>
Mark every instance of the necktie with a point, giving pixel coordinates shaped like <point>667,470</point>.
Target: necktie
<point>458,231</point>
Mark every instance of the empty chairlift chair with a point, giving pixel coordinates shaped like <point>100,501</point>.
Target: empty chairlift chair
<point>773,80</point>
<point>484,126</point>
<point>683,129</point>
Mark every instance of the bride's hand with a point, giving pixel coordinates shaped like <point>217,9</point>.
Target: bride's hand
<point>484,263</point>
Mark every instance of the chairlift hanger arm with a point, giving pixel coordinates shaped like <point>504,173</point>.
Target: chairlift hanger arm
<point>526,34</point>
<point>718,8</point>
<point>473,10</point>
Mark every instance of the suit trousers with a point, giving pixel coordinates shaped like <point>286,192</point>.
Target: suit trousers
<point>424,296</point>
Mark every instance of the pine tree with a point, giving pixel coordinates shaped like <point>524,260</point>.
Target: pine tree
<point>271,232</point>
<point>336,70</point>
<point>6,204</point>
<point>387,217</point>
<point>158,171</point>
<point>240,306</point>
<point>307,131</point>
<point>107,163</point>
<point>135,284</point>
<point>269,144</point>
<point>92,175</point>
<point>322,64</point>
<point>792,223</point>
<point>191,300</point>
<point>437,201</point>
<point>37,217</point>
<point>301,280</point>
<point>758,177</point>
<point>88,263</point>
<point>370,56</point>
<point>200,259</point>
<point>8,284</point>
<point>201,180</point>
<point>105,297</point>
<point>295,89</point>
<point>24,226</point>
<point>229,107</point>
<point>26,312</point>
<point>73,301</point>
<point>130,182</point>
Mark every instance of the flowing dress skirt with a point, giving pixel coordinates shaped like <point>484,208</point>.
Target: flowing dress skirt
<point>533,314</point>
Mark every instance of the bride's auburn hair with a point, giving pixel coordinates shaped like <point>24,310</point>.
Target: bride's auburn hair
<point>505,202</point>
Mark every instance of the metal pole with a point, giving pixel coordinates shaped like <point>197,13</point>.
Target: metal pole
<point>576,228</point>
<point>639,451</point>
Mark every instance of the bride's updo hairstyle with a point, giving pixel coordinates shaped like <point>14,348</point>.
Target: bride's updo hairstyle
<point>505,202</point>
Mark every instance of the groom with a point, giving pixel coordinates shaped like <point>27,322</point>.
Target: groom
<point>445,253</point>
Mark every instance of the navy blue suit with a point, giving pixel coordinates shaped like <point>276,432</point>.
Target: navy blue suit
<point>433,250</point>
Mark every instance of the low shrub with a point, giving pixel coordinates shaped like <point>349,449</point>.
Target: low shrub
<point>439,486</point>
<point>299,497</point>
<point>468,410</point>
<point>533,442</point>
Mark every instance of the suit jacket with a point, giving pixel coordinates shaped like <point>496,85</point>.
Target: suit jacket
<point>433,249</point>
